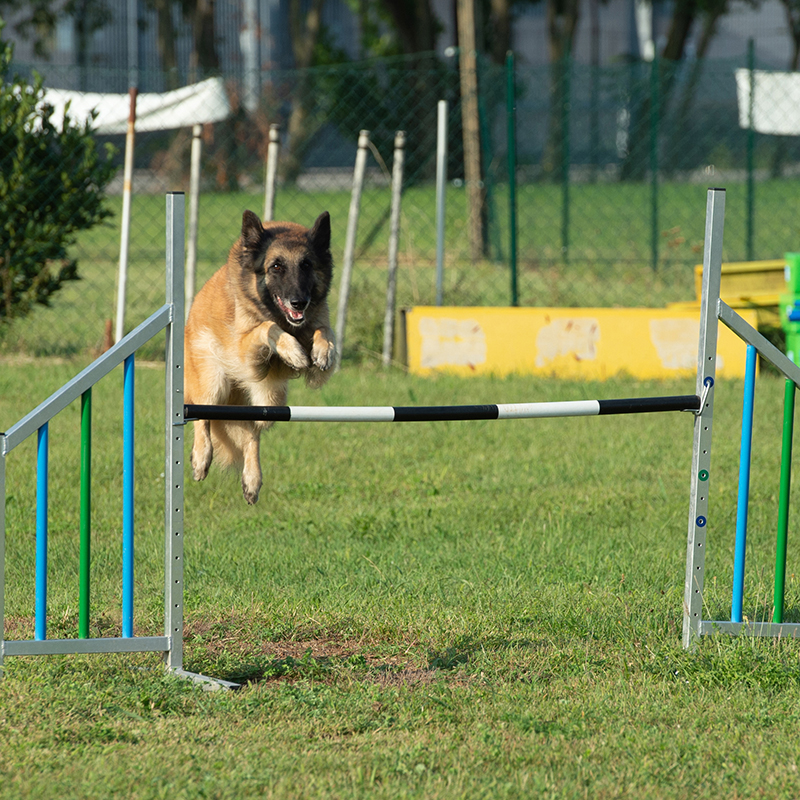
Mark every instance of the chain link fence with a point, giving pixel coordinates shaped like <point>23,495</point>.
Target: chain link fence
<point>612,166</point>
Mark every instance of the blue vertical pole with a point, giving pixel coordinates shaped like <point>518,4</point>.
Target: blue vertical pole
<point>127,497</point>
<point>744,484</point>
<point>40,602</point>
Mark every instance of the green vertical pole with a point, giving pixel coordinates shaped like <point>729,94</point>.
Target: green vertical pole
<point>511,125</point>
<point>565,153</point>
<point>783,500</point>
<point>751,140</point>
<point>654,112</point>
<point>594,122</point>
<point>86,510</point>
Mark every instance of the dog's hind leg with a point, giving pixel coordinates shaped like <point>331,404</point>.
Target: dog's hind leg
<point>272,391</point>
<point>202,449</point>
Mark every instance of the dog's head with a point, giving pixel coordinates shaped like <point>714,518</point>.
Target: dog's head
<point>285,267</point>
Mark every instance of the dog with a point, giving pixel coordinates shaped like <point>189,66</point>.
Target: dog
<point>259,321</point>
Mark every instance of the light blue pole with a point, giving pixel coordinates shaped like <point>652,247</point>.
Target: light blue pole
<point>127,497</point>
<point>744,484</point>
<point>40,626</point>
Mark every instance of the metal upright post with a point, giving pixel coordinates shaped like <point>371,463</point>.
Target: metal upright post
<point>173,472</point>
<point>194,215</point>
<point>271,178</point>
<point>350,243</point>
<point>394,239</point>
<point>701,450</point>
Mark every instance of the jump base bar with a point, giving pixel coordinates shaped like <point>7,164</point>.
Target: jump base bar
<point>572,408</point>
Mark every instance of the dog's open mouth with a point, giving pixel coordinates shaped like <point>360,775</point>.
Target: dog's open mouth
<point>294,315</point>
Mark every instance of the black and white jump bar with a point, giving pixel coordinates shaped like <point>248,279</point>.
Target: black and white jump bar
<point>570,408</point>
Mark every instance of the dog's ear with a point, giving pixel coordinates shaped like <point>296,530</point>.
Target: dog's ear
<point>320,234</point>
<point>252,230</point>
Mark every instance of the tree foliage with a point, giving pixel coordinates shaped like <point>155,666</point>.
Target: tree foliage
<point>52,183</point>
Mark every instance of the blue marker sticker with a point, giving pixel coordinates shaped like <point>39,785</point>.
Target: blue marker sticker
<point>709,381</point>
<point>701,522</point>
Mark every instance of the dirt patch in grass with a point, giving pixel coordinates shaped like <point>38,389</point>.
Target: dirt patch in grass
<point>326,658</point>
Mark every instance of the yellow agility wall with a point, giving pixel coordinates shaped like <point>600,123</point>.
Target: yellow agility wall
<point>591,343</point>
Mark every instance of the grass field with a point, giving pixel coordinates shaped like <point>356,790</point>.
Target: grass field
<point>444,610</point>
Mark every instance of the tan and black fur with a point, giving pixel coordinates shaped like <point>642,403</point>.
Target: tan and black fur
<point>259,321</point>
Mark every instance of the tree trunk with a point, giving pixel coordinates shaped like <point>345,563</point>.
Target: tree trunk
<point>415,23</point>
<point>793,24</point>
<point>500,30</point>
<point>204,59</point>
<point>304,31</point>
<point>470,124</point>
<point>682,156</point>
<point>562,19</point>
<point>165,42</point>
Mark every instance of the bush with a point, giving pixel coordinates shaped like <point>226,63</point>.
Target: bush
<point>52,183</point>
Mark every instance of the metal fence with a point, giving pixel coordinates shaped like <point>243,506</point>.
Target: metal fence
<point>611,169</point>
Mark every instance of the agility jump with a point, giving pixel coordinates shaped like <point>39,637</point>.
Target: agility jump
<point>170,318</point>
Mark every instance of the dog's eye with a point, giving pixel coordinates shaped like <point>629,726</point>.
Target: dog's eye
<point>305,264</point>
<point>276,266</point>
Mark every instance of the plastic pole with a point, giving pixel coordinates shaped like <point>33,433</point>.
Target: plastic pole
<point>783,500</point>
<point>40,598</point>
<point>744,484</point>
<point>86,510</point>
<point>127,497</point>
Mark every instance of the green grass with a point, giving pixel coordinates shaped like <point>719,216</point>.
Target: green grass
<point>603,258</point>
<point>446,610</point>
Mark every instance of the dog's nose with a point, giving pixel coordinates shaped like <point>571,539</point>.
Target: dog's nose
<point>298,305</point>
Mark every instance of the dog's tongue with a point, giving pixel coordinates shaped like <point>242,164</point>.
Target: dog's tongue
<point>289,311</point>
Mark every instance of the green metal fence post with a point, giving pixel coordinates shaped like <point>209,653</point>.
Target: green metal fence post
<point>654,112</point>
<point>511,125</point>
<point>751,139</point>
<point>565,153</point>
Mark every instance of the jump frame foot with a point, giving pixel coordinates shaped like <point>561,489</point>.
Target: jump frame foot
<point>208,684</point>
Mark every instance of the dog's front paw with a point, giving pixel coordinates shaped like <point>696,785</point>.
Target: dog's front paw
<point>290,352</point>
<point>323,350</point>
